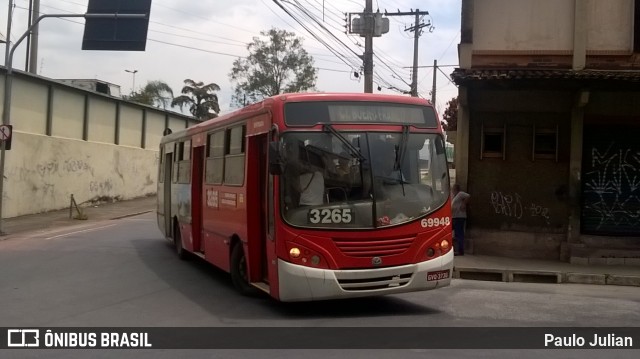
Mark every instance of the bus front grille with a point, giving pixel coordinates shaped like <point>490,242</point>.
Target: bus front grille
<point>373,283</point>
<point>365,247</point>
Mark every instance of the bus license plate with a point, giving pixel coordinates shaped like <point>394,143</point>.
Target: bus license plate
<point>438,275</point>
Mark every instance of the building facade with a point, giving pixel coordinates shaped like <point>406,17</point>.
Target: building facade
<point>548,139</point>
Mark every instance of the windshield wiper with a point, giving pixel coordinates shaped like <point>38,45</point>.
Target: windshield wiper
<point>401,149</point>
<point>355,151</point>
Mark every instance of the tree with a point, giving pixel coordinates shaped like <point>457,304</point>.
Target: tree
<point>201,99</point>
<point>450,115</point>
<point>154,93</point>
<point>274,66</point>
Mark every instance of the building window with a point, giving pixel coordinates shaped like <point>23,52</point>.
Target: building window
<point>545,144</point>
<point>493,142</point>
<point>214,172</point>
<point>234,157</point>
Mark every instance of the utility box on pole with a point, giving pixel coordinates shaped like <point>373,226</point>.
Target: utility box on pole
<point>374,25</point>
<point>381,25</point>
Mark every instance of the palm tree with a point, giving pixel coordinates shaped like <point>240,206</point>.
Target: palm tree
<point>160,92</point>
<point>202,101</point>
<point>154,93</point>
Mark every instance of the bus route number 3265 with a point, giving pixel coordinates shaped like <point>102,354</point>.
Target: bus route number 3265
<point>331,215</point>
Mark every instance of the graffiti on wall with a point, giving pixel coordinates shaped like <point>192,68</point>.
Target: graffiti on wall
<point>612,187</point>
<point>67,166</point>
<point>512,205</point>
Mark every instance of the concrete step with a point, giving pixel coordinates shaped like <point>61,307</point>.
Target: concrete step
<point>533,276</point>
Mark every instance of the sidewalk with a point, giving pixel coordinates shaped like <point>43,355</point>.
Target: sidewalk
<point>540,271</point>
<point>94,213</point>
<point>473,267</point>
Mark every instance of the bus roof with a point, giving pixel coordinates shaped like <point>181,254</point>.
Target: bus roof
<point>269,102</point>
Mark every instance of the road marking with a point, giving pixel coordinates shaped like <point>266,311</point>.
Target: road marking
<point>82,231</point>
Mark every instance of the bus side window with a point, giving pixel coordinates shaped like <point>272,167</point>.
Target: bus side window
<point>235,156</point>
<point>174,165</point>
<point>161,165</point>
<point>184,162</point>
<point>214,172</point>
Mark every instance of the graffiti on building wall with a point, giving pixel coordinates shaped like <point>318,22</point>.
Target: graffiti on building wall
<point>513,206</point>
<point>612,186</point>
<point>101,186</point>
<point>67,166</point>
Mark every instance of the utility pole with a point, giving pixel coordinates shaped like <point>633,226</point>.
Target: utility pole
<point>368,25</point>
<point>433,89</point>
<point>5,106</point>
<point>414,74</point>
<point>33,43</point>
<point>368,47</point>
<point>417,29</point>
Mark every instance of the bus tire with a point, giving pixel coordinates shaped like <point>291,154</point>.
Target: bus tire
<point>239,275</point>
<point>177,242</point>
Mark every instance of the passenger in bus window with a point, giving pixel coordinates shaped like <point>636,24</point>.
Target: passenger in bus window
<point>345,170</point>
<point>311,187</point>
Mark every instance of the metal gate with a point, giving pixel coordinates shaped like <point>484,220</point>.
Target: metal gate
<point>611,180</point>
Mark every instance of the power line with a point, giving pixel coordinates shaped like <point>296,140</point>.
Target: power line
<point>340,56</point>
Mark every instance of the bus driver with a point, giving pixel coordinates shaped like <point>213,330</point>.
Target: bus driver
<point>311,188</point>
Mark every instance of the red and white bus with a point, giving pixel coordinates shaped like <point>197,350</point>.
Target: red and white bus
<point>313,196</point>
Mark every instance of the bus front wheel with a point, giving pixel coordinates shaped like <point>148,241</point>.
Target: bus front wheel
<point>239,275</point>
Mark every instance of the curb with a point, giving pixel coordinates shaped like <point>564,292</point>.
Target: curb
<point>131,214</point>
<point>531,276</point>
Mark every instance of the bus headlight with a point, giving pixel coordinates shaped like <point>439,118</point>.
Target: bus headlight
<point>294,252</point>
<point>301,255</point>
<point>444,244</point>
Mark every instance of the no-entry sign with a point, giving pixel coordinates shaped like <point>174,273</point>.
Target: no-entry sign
<point>5,132</point>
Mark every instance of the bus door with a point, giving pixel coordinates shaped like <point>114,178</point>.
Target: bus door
<point>197,202</point>
<point>168,167</point>
<point>260,250</point>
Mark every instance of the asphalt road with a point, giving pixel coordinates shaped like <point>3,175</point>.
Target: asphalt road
<point>124,274</point>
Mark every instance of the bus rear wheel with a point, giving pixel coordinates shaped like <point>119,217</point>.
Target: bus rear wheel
<point>239,274</point>
<point>177,242</point>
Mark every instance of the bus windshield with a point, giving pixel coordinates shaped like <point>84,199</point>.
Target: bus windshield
<point>346,179</point>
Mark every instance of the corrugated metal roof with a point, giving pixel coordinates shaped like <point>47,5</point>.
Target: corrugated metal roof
<point>461,76</point>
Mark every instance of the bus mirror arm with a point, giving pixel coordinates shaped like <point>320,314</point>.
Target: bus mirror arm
<point>275,161</point>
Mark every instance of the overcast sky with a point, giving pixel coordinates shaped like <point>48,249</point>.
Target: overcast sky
<point>200,39</point>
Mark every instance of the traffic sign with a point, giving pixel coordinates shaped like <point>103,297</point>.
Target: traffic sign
<point>5,135</point>
<point>5,132</point>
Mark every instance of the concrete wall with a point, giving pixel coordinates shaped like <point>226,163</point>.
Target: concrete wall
<point>548,25</point>
<point>68,140</point>
<point>42,172</point>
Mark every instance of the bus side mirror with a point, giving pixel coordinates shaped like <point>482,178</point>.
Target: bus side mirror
<point>275,161</point>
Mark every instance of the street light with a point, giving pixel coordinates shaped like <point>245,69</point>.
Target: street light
<point>133,72</point>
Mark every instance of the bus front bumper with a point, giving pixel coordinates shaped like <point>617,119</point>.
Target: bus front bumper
<point>300,283</point>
